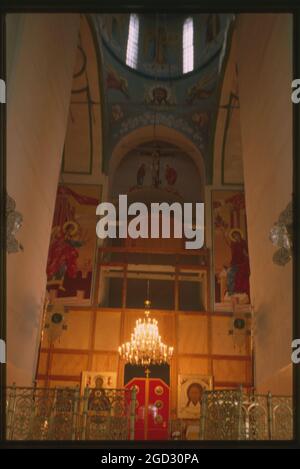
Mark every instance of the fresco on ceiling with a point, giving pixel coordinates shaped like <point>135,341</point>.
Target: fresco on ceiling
<point>159,95</point>
<point>157,169</point>
<point>116,82</point>
<point>151,96</point>
<point>203,88</point>
<point>159,48</point>
<point>230,247</point>
<point>160,40</point>
<point>72,247</point>
<point>132,102</point>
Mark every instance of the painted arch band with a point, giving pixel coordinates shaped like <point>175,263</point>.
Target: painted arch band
<point>187,223</point>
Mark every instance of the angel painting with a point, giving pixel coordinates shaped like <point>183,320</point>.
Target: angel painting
<point>231,256</point>
<point>116,82</point>
<point>202,89</point>
<point>63,251</point>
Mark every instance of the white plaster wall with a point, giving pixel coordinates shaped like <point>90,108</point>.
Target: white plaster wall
<point>265,73</point>
<point>40,53</point>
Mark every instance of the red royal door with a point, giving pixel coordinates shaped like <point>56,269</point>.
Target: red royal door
<point>152,408</point>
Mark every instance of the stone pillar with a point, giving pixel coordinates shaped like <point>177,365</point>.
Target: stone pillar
<point>264,44</point>
<point>40,58</point>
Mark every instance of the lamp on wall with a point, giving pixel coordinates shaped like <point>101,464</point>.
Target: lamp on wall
<point>55,322</point>
<point>281,236</point>
<point>146,347</point>
<point>14,222</point>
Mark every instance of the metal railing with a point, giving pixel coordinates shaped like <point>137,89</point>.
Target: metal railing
<point>109,414</point>
<point>235,415</point>
<point>65,414</point>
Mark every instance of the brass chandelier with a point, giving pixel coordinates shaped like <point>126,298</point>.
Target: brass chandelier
<point>145,347</point>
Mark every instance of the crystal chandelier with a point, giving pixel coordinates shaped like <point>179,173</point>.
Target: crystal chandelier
<point>145,347</point>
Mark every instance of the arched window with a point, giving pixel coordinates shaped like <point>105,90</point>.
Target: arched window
<point>133,41</point>
<point>188,45</point>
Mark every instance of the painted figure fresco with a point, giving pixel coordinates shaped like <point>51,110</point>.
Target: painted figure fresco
<point>157,41</point>
<point>170,175</point>
<point>239,270</point>
<point>73,241</point>
<point>116,112</point>
<point>202,89</point>
<point>201,119</point>
<point>159,95</point>
<point>159,166</point>
<point>156,169</point>
<point>63,251</point>
<point>193,399</point>
<point>141,174</point>
<point>190,391</point>
<point>105,379</point>
<point>231,258</point>
<point>115,82</point>
<point>98,400</point>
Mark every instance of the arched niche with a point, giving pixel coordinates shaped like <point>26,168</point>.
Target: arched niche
<point>144,137</point>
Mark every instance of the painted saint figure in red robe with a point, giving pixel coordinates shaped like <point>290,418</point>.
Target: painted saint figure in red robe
<point>239,270</point>
<point>170,175</point>
<point>63,251</point>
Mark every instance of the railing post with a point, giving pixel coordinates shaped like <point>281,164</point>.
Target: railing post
<point>240,415</point>
<point>132,413</point>
<point>203,416</point>
<point>270,416</point>
<point>85,413</point>
<point>75,418</point>
<point>10,411</point>
<point>51,423</point>
<point>51,426</point>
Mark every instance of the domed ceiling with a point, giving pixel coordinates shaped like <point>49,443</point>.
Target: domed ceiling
<point>160,45</point>
<point>156,91</point>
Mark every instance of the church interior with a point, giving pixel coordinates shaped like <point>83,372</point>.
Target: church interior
<point>140,338</point>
